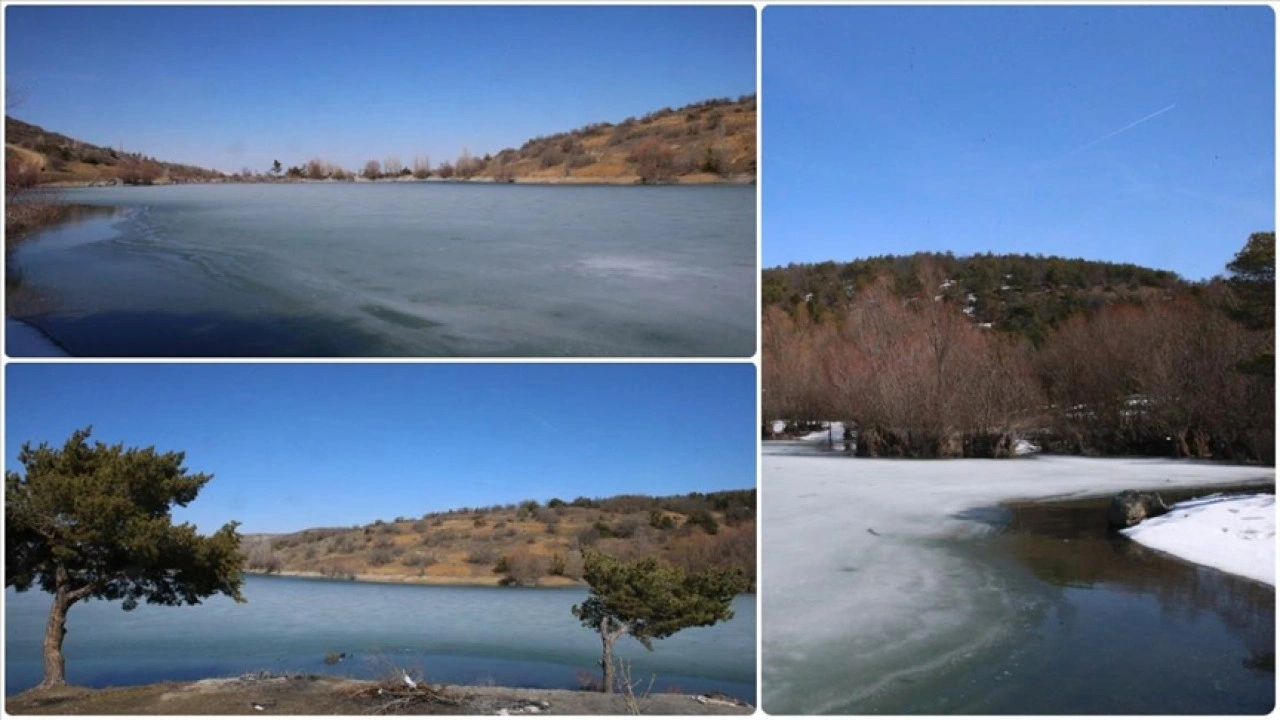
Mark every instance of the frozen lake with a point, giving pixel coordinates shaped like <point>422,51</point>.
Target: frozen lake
<point>903,587</point>
<point>398,269</point>
<point>456,635</point>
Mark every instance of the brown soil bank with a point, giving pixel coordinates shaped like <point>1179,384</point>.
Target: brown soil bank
<point>320,695</point>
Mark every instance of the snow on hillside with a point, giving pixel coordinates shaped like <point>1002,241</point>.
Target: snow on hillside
<point>1233,534</point>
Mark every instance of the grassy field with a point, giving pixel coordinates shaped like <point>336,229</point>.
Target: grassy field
<point>528,544</point>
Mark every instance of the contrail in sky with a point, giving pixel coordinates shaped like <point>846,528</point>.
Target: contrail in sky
<point>1130,126</point>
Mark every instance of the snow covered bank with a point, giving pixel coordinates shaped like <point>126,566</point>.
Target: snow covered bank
<point>864,583</point>
<point>1233,534</point>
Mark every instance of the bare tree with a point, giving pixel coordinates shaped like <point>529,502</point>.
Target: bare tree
<point>467,166</point>
<point>392,166</point>
<point>317,169</point>
<point>372,170</point>
<point>421,167</point>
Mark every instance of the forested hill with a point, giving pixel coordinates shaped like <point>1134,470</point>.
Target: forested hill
<point>928,355</point>
<point>1024,294</point>
<point>529,543</point>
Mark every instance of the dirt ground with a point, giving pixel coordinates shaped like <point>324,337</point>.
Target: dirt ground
<point>321,695</point>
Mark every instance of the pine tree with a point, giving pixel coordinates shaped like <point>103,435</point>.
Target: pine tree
<point>650,601</point>
<point>93,521</point>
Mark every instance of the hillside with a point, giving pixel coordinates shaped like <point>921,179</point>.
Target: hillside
<point>1027,295</point>
<point>936,356</point>
<point>703,142</point>
<point>525,544</point>
<point>43,157</point>
<point>709,141</point>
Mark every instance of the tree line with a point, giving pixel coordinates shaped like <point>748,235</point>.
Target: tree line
<point>1165,368</point>
<point>714,136</point>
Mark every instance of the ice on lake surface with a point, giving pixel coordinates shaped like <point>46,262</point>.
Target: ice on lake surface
<point>400,269</point>
<point>888,588</point>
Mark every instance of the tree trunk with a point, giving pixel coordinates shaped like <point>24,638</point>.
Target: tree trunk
<point>610,631</point>
<point>606,662</point>
<point>55,631</point>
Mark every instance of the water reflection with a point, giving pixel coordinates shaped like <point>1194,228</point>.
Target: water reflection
<point>1066,544</point>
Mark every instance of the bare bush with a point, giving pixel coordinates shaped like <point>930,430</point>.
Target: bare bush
<point>655,162</point>
<point>467,166</point>
<point>482,555</point>
<point>421,167</point>
<point>317,169</point>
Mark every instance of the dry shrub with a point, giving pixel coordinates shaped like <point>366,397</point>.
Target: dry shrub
<point>655,162</point>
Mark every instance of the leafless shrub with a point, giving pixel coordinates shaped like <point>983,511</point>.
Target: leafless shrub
<point>421,167</point>
<point>655,162</point>
<point>482,555</point>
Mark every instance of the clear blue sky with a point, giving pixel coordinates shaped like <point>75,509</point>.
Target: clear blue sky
<point>1141,135</point>
<point>228,87</point>
<point>303,445</point>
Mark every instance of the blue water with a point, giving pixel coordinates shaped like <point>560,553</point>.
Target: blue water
<point>399,269</point>
<point>503,636</point>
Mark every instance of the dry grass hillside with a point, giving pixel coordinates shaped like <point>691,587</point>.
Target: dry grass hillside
<point>710,141</point>
<point>36,156</point>
<point>525,544</point>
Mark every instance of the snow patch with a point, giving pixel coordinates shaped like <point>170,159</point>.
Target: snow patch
<point>1235,534</point>
<point>1025,447</point>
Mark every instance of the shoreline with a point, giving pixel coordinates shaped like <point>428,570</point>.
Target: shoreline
<point>807,446</point>
<point>625,180</point>
<point>426,581</point>
<point>433,581</point>
<point>309,694</point>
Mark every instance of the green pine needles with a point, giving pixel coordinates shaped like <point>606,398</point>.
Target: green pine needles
<point>93,521</point>
<point>649,600</point>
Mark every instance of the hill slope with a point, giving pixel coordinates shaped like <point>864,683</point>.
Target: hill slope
<point>526,544</point>
<point>936,356</point>
<point>709,141</point>
<point>1027,295</point>
<point>53,157</point>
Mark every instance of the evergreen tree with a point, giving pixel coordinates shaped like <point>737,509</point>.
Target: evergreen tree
<point>650,601</point>
<point>93,521</point>
<point>1254,281</point>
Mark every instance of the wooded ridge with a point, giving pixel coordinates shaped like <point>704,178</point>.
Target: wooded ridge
<point>930,355</point>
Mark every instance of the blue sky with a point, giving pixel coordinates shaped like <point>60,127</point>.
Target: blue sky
<point>229,87</point>
<point>1141,135</point>
<point>303,445</point>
